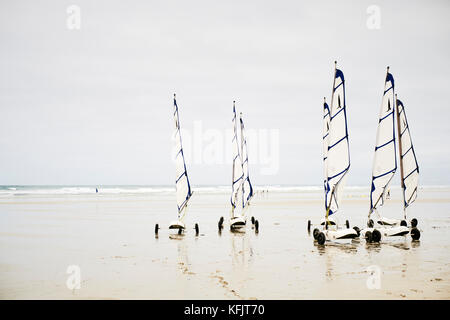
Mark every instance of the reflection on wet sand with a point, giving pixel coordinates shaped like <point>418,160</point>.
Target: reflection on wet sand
<point>241,249</point>
<point>374,247</point>
<point>405,244</point>
<point>183,264</point>
<point>332,248</point>
<point>415,244</point>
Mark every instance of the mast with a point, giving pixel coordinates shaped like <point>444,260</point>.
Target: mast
<point>385,160</point>
<point>237,172</point>
<point>338,151</point>
<point>400,152</point>
<point>242,159</point>
<point>327,188</point>
<point>182,185</point>
<point>326,128</point>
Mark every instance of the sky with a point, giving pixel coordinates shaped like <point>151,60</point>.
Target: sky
<point>86,92</point>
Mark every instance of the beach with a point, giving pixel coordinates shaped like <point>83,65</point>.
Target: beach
<point>110,237</point>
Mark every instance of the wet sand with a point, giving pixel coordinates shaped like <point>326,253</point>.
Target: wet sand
<point>111,238</point>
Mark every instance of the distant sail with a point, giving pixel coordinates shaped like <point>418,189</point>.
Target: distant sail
<point>183,188</point>
<point>408,165</point>
<point>338,153</point>
<point>247,189</point>
<point>385,161</point>
<point>237,175</point>
<point>326,128</point>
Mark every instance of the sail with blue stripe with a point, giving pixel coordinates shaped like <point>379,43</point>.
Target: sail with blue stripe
<point>182,185</point>
<point>338,152</point>
<point>408,161</point>
<point>385,161</point>
<point>237,171</point>
<point>247,189</point>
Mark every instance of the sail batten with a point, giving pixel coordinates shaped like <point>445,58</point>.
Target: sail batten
<point>385,161</point>
<point>336,146</point>
<point>182,185</point>
<point>408,160</point>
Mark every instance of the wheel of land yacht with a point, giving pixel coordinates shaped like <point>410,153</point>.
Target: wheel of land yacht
<point>309,225</point>
<point>156,228</point>
<point>376,236</point>
<point>368,236</point>
<point>321,238</point>
<point>403,223</point>
<point>347,224</point>
<point>316,233</point>
<point>370,223</point>
<point>256,226</point>
<point>358,232</point>
<point>196,229</point>
<point>253,220</point>
<point>180,230</point>
<point>414,222</point>
<point>220,224</point>
<point>415,234</point>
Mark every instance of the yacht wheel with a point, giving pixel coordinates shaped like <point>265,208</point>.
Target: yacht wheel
<point>309,225</point>
<point>368,236</point>
<point>253,220</point>
<point>256,226</point>
<point>220,224</point>
<point>403,223</point>
<point>376,236</point>
<point>180,230</point>
<point>415,234</point>
<point>321,238</point>
<point>156,228</point>
<point>347,224</point>
<point>414,222</point>
<point>316,233</point>
<point>196,229</point>
<point>370,223</point>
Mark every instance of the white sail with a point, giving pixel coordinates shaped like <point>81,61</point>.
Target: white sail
<point>247,189</point>
<point>183,188</point>
<point>326,128</point>
<point>408,161</point>
<point>237,174</point>
<point>338,153</point>
<point>385,161</point>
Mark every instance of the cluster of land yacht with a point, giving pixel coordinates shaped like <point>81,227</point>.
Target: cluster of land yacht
<point>392,131</point>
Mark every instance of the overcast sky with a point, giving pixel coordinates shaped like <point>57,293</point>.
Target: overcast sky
<point>94,105</point>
